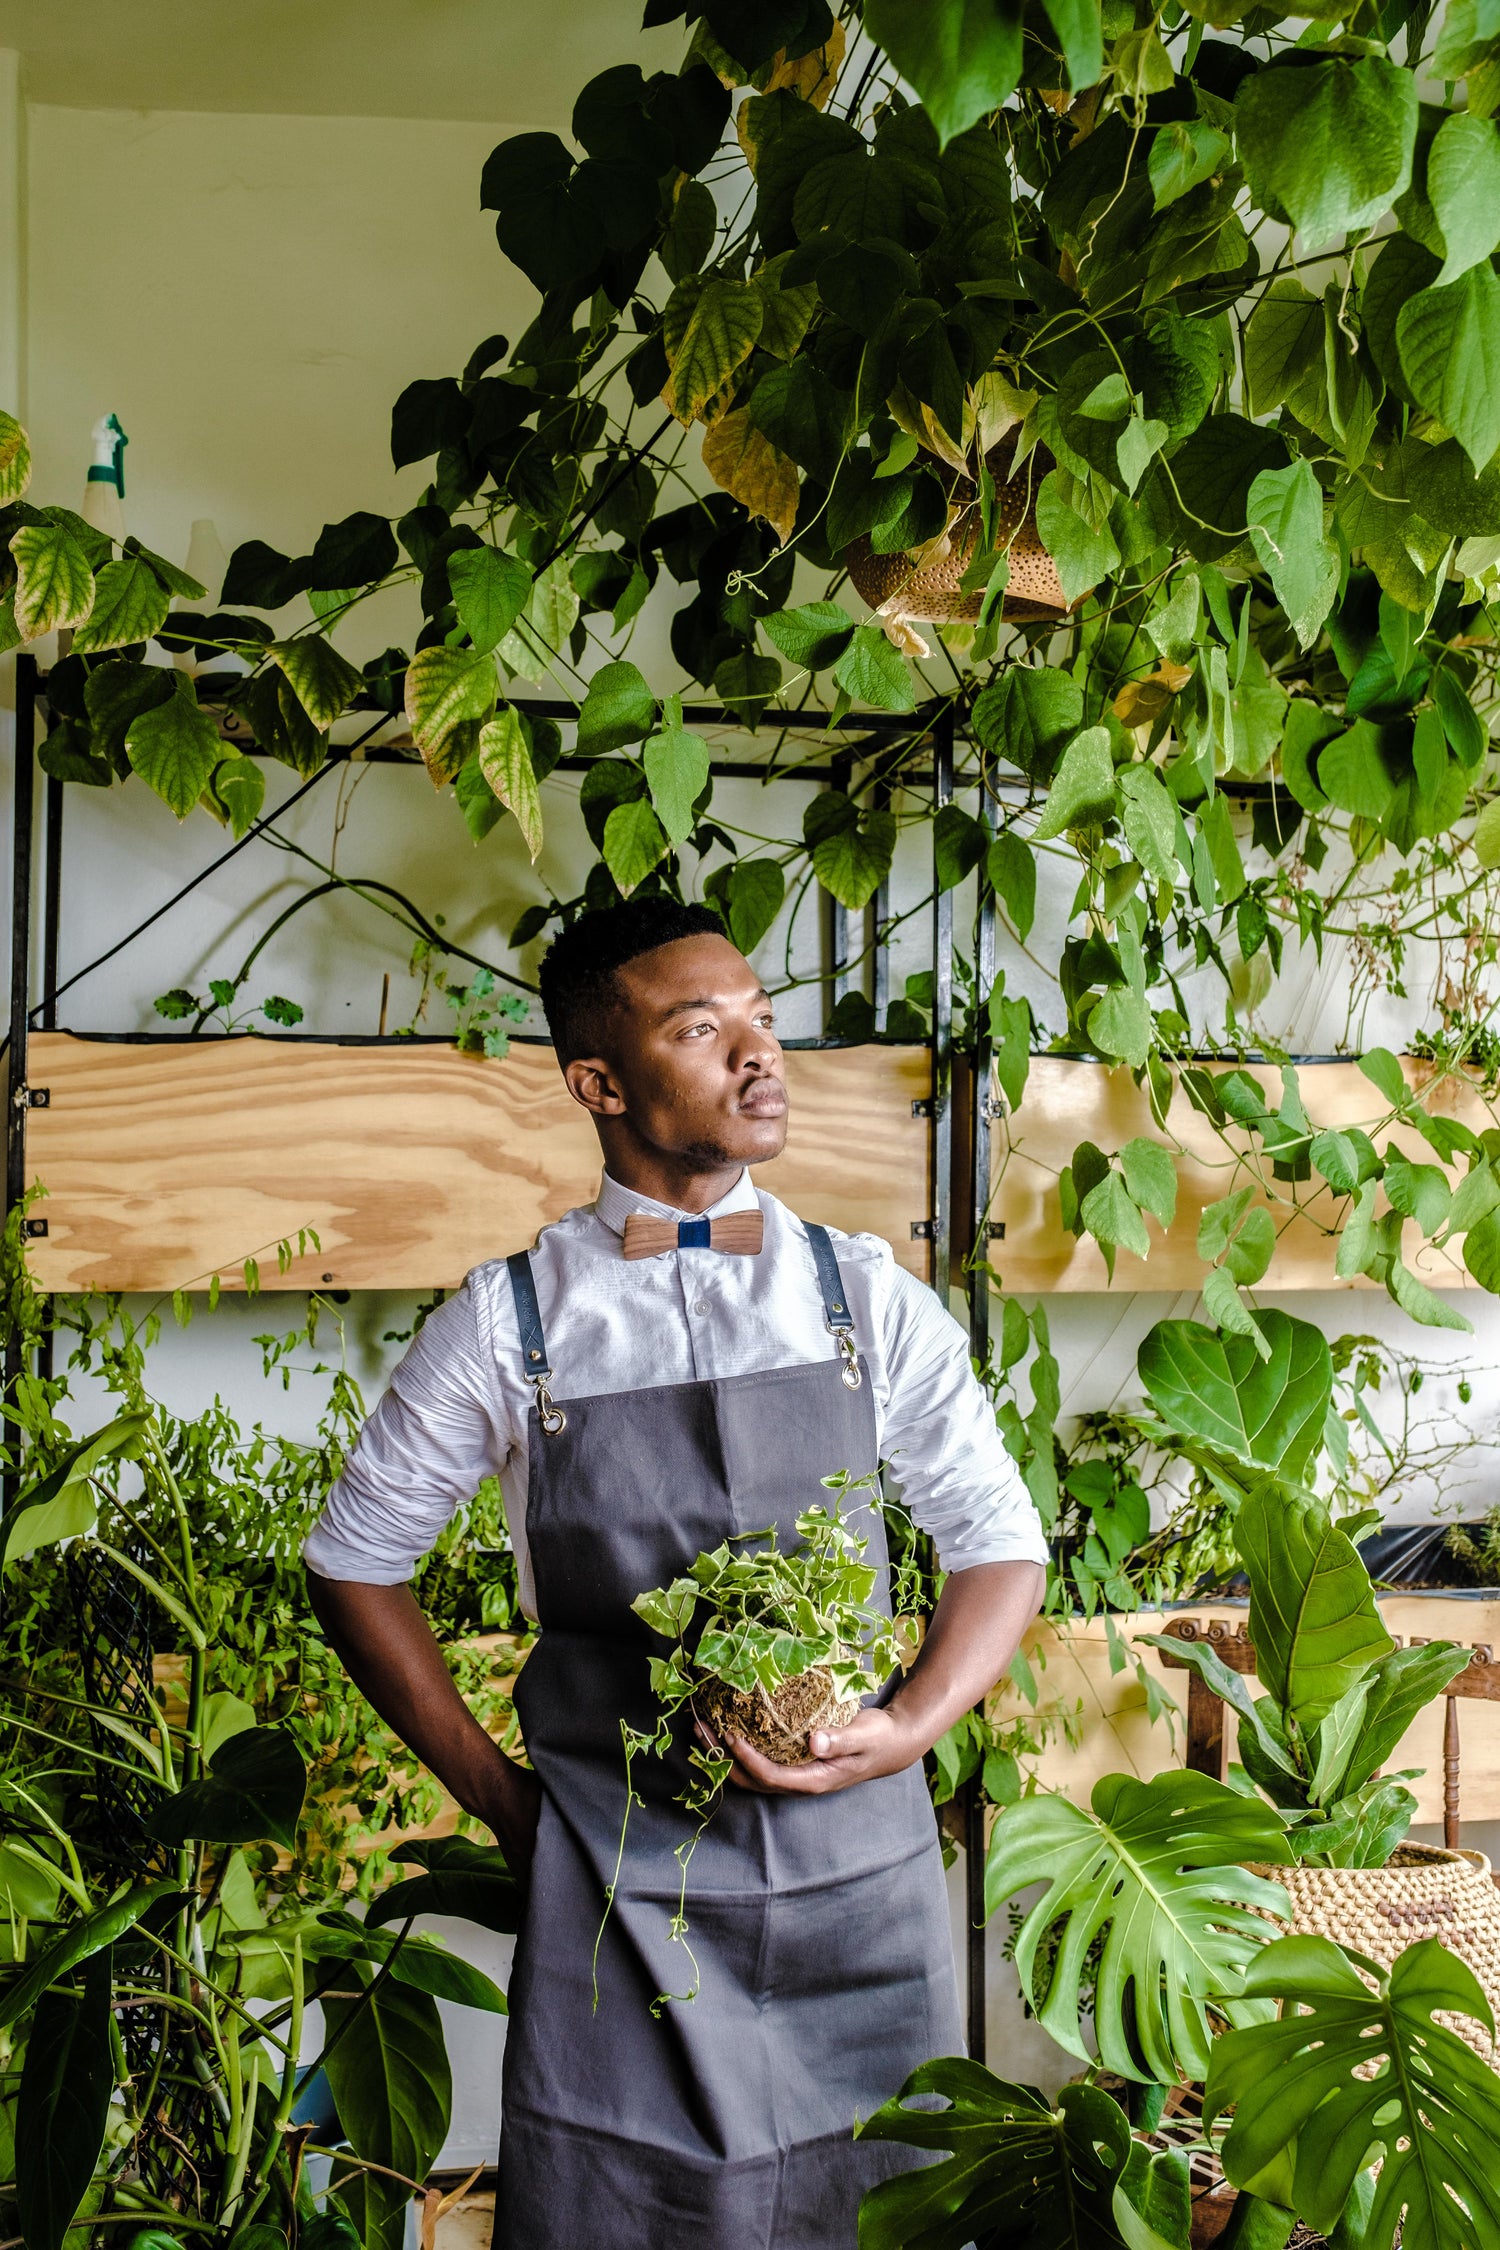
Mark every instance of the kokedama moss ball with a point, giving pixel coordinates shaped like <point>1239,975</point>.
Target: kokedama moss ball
<point>777,1725</point>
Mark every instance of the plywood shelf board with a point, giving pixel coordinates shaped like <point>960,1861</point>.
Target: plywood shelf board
<point>165,1163</point>
<point>1070,1101</point>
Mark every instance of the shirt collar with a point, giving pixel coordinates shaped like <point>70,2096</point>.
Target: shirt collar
<point>615,1203</point>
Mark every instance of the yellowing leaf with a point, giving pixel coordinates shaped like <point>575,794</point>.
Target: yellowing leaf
<point>742,460</point>
<point>323,682</point>
<point>15,459</point>
<point>813,75</point>
<point>719,336</point>
<point>450,692</point>
<point>130,602</point>
<point>505,761</point>
<point>55,585</point>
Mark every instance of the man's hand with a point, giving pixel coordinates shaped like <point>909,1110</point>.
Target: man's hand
<point>971,1637</point>
<point>512,1814</point>
<point>874,1743</point>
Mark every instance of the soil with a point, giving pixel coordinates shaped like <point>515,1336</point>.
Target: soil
<point>778,1725</point>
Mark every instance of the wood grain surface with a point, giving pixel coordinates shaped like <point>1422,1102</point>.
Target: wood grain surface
<point>167,1162</point>
<point>1068,1102</point>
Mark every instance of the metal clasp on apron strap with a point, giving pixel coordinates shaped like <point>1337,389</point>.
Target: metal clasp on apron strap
<point>835,1304</point>
<point>535,1364</point>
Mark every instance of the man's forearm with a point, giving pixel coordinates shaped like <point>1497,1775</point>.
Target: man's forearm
<point>389,1651</point>
<point>973,1633</point>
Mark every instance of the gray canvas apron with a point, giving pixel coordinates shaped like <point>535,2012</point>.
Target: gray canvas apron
<point>819,1924</point>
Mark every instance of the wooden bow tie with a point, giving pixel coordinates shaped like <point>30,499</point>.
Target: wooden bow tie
<point>739,1232</point>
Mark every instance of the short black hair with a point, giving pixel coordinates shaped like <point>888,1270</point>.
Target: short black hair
<point>577,975</point>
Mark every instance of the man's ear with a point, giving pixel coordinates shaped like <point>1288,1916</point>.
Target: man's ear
<point>593,1085</point>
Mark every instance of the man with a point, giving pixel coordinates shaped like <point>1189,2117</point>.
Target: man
<point>681,1363</point>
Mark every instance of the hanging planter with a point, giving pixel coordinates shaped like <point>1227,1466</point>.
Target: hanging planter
<point>924,585</point>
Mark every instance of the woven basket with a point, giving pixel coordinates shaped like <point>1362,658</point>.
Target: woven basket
<point>1424,1892</point>
<point>924,587</point>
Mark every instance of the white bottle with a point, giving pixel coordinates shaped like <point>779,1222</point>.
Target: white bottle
<point>206,561</point>
<point>104,491</point>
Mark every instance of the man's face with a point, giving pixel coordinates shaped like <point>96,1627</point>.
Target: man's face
<point>694,1067</point>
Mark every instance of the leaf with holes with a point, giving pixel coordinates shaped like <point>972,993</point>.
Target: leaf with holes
<point>1154,1869</point>
<point>1349,2074</point>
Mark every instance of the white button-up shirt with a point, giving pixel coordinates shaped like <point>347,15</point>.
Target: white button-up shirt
<point>457,1407</point>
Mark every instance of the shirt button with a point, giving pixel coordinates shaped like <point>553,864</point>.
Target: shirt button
<point>701,1308</point>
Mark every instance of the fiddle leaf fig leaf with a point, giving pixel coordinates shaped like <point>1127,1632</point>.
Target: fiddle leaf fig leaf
<point>505,762</point>
<point>1155,1869</point>
<point>1266,1411</point>
<point>1312,1608</point>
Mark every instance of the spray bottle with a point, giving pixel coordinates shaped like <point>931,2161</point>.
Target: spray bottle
<point>104,492</point>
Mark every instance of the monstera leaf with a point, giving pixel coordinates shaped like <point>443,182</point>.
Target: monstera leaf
<point>1215,1387</point>
<point>1021,2173</point>
<point>1154,1866</point>
<point>1312,1608</point>
<point>1349,2075</point>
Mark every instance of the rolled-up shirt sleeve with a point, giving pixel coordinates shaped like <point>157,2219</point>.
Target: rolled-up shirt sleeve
<point>940,1439</point>
<point>437,1433</point>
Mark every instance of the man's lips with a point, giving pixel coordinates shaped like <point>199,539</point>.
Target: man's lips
<point>766,1098</point>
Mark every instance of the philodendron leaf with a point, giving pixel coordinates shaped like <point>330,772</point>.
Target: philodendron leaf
<point>80,1941</point>
<point>1313,1617</point>
<point>1349,2074</point>
<point>1285,515</point>
<point>252,1793</point>
<point>174,747</point>
<point>1269,1411</point>
<point>61,1504</point>
<point>1155,1868</point>
<point>462,1878</point>
<point>63,2106</point>
<point>1018,2169</point>
<point>394,2090</point>
<point>323,682</point>
<point>962,56</point>
<point>505,762</point>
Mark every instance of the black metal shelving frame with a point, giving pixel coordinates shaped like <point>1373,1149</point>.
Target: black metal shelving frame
<point>958,1179</point>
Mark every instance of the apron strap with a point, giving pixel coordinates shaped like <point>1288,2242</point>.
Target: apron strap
<point>835,1302</point>
<point>535,1364</point>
